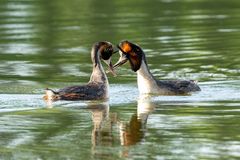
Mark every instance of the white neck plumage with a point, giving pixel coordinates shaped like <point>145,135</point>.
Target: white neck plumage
<point>146,82</point>
<point>98,73</point>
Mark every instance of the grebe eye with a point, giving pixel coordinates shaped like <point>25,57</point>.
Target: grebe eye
<point>108,50</point>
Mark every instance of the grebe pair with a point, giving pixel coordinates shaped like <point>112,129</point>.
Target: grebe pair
<point>97,87</point>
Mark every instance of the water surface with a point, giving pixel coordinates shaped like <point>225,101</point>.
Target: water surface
<point>47,44</point>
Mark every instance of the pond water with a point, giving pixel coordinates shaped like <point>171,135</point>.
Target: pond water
<point>47,44</point>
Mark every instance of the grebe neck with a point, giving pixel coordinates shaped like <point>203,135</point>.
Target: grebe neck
<point>145,79</point>
<point>98,74</point>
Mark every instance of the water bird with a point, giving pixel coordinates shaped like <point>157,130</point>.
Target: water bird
<point>97,87</point>
<point>147,83</point>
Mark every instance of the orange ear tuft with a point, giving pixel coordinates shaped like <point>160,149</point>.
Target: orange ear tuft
<point>133,53</point>
<point>126,47</point>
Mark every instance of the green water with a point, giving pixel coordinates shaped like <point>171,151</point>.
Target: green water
<point>47,44</point>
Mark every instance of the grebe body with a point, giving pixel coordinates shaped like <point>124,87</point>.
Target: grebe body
<point>147,83</point>
<point>97,87</point>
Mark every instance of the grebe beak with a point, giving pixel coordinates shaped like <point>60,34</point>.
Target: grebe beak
<point>115,50</point>
<point>123,58</point>
<point>110,67</point>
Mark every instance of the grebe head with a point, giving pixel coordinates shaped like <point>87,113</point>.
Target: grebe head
<point>131,52</point>
<point>105,50</point>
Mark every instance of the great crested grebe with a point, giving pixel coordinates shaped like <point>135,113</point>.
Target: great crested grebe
<point>147,84</point>
<point>97,87</point>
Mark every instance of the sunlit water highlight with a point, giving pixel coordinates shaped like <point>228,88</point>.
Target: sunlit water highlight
<point>212,92</point>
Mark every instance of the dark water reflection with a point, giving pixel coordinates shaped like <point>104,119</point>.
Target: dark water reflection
<point>191,39</point>
<point>47,44</point>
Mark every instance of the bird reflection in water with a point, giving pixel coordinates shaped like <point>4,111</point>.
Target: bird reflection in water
<point>109,129</point>
<point>102,124</point>
<point>102,132</point>
<point>133,131</point>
